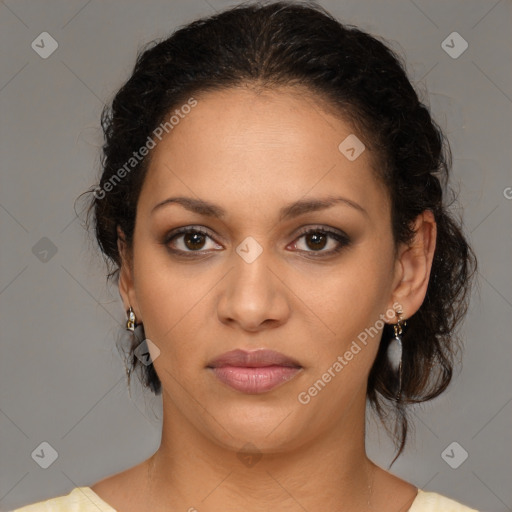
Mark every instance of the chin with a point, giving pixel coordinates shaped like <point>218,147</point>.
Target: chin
<point>265,428</point>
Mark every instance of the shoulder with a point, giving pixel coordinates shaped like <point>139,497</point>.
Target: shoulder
<point>433,502</point>
<point>80,499</point>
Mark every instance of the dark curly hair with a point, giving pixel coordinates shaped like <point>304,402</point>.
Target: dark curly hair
<point>268,45</point>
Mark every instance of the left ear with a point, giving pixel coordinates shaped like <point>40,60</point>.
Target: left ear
<point>414,264</point>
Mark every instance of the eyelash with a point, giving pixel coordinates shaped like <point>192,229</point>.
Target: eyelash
<point>340,237</point>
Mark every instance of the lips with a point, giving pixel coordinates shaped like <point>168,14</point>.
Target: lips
<point>254,359</point>
<point>254,372</point>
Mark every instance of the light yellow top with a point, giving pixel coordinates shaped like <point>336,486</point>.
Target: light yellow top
<point>84,499</point>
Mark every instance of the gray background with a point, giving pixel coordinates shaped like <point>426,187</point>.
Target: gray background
<point>62,379</point>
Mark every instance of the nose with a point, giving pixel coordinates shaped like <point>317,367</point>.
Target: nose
<point>253,297</point>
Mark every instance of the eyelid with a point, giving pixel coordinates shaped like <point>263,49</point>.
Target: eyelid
<point>326,229</point>
<point>184,229</point>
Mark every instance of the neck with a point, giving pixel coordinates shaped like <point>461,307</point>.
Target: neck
<point>323,473</point>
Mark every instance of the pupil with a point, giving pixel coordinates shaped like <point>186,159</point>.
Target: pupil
<point>194,239</point>
<point>318,239</point>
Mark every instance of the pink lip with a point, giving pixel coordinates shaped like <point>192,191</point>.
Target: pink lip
<point>254,372</point>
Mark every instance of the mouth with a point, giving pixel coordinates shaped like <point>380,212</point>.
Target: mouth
<point>254,372</point>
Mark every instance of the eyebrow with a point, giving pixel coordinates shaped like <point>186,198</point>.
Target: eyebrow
<point>300,207</point>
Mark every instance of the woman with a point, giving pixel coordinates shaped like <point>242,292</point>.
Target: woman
<point>271,204</point>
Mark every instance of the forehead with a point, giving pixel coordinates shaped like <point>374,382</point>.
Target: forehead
<point>247,144</point>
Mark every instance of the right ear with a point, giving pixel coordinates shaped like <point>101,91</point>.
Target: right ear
<point>126,288</point>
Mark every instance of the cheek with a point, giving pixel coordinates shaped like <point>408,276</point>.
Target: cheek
<point>175,302</point>
<point>352,303</point>
<point>168,303</point>
<point>354,294</point>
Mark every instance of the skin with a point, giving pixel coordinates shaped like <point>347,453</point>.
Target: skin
<point>252,153</point>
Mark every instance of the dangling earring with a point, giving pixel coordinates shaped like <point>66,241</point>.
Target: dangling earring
<point>139,344</point>
<point>395,350</point>
<point>130,323</point>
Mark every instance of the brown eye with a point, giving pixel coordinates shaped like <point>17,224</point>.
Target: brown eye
<point>194,241</point>
<point>189,240</point>
<point>316,240</point>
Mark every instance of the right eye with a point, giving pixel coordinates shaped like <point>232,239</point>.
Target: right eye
<point>188,240</point>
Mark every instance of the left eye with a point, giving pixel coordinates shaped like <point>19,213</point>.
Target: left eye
<point>318,239</point>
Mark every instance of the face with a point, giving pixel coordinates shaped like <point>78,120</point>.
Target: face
<point>248,277</point>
